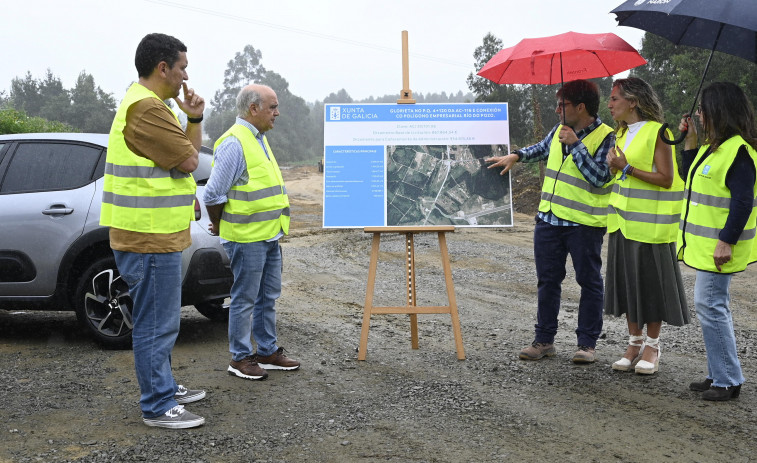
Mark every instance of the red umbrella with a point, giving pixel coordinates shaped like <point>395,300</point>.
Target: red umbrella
<point>552,60</point>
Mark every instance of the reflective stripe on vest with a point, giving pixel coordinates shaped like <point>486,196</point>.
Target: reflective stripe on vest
<point>259,209</point>
<point>144,171</point>
<point>148,202</point>
<point>565,190</point>
<point>138,195</point>
<point>258,194</point>
<point>706,209</point>
<point>641,211</point>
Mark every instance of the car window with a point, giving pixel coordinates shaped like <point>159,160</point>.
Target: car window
<point>50,166</point>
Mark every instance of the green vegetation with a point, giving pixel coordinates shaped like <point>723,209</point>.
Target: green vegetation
<point>673,71</point>
<point>44,105</point>
<point>85,107</point>
<point>14,121</point>
<point>298,137</point>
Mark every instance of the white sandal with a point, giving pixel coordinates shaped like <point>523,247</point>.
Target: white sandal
<point>626,365</point>
<point>649,368</point>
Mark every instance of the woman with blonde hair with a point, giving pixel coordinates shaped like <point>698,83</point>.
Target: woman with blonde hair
<point>643,277</point>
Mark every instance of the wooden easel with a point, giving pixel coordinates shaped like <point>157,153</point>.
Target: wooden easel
<point>411,308</point>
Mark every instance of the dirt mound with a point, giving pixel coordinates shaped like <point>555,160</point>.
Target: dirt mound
<point>526,188</point>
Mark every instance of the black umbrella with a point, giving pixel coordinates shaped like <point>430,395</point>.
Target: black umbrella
<point>728,26</point>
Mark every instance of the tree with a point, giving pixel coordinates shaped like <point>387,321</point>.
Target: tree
<point>482,54</point>
<point>525,102</point>
<point>339,97</point>
<point>675,71</point>
<point>92,110</point>
<point>219,122</point>
<point>294,135</point>
<point>85,107</point>
<point>25,95</point>
<point>56,103</point>
<point>245,68</point>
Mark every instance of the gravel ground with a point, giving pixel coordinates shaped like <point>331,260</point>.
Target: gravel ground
<point>65,399</point>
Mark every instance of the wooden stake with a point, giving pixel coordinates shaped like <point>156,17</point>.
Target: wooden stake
<point>406,95</point>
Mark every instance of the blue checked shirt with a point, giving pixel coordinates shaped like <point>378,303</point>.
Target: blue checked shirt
<point>230,168</point>
<point>593,168</point>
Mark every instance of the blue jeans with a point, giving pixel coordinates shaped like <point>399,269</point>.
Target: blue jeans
<point>711,299</point>
<point>257,284</point>
<point>552,244</point>
<point>155,287</point>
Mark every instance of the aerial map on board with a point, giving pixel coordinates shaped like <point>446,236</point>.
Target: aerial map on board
<point>415,165</point>
<point>446,185</point>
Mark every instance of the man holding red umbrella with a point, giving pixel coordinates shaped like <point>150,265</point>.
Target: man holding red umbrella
<point>572,216</point>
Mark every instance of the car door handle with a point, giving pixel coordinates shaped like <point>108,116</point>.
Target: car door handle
<point>58,209</point>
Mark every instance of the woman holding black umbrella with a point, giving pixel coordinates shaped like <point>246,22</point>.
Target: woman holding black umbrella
<point>643,278</point>
<point>718,224</point>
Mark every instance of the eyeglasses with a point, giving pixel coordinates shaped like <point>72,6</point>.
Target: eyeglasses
<point>560,104</point>
<point>699,109</point>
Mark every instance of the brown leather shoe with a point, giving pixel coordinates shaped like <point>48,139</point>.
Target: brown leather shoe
<point>277,361</point>
<point>247,368</point>
<point>537,350</point>
<point>585,354</point>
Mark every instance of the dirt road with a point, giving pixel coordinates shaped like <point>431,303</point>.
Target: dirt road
<point>65,399</point>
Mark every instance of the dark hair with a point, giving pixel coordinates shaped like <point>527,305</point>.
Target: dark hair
<point>726,112</point>
<point>581,91</point>
<point>155,48</point>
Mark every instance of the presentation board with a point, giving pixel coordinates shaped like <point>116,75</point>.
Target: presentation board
<point>415,165</point>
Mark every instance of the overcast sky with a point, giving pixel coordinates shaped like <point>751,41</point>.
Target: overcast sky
<point>319,47</point>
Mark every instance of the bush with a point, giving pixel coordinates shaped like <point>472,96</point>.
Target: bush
<point>14,121</point>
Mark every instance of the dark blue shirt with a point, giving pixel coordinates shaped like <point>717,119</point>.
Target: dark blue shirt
<point>740,180</point>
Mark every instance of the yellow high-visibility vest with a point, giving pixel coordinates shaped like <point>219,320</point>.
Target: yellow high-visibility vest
<point>259,209</point>
<point>706,208</point>
<point>138,195</point>
<point>565,190</point>
<point>641,211</point>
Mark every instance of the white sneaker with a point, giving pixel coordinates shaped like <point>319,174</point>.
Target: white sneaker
<point>175,418</point>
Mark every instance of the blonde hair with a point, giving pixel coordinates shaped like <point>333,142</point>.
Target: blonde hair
<point>648,105</point>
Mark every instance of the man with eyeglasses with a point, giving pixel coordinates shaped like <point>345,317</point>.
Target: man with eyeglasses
<point>572,217</point>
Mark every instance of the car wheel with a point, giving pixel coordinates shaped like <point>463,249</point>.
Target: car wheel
<point>215,310</point>
<point>103,304</point>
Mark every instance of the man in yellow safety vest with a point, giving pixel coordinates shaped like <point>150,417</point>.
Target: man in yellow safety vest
<point>148,203</point>
<point>572,217</point>
<point>249,208</point>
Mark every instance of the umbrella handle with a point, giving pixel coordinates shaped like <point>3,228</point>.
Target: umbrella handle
<point>701,82</point>
<point>664,136</point>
